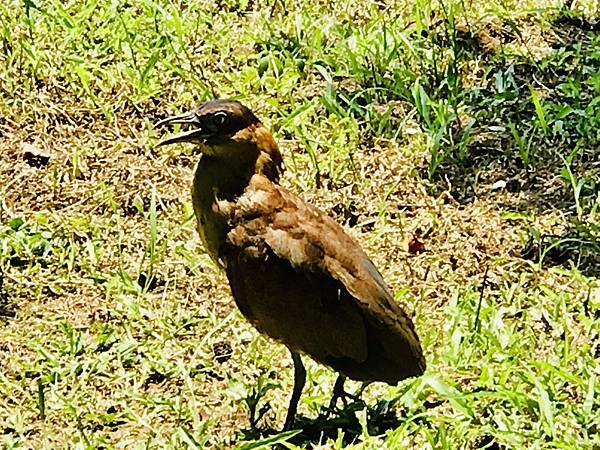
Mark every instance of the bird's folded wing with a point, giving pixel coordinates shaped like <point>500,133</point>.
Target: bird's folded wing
<point>267,217</point>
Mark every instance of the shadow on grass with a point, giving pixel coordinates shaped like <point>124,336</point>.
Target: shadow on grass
<point>511,107</point>
<point>532,143</point>
<point>347,424</point>
<point>7,308</point>
<point>513,139</point>
<point>578,246</point>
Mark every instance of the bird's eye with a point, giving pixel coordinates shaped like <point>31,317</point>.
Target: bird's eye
<point>220,118</point>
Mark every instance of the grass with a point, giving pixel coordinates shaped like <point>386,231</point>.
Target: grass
<point>456,141</point>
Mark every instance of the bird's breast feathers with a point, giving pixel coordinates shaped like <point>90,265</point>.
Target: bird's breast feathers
<point>267,218</point>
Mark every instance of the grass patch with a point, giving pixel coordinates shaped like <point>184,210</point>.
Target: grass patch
<point>457,141</point>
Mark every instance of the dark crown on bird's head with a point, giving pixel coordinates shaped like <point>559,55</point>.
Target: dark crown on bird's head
<point>211,121</point>
<point>225,117</point>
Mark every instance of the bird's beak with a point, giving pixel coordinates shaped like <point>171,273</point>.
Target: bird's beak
<point>194,134</point>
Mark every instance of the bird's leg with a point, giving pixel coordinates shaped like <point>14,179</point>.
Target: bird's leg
<point>339,392</point>
<point>299,380</point>
<point>362,388</point>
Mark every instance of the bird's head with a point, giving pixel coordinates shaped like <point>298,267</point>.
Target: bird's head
<point>229,130</point>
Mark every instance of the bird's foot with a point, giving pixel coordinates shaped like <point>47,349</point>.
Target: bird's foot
<point>288,425</point>
<point>343,396</point>
<point>340,393</point>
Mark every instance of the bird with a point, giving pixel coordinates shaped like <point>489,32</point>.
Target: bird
<point>294,273</point>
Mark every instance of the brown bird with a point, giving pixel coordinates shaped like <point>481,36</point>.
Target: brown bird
<point>293,271</point>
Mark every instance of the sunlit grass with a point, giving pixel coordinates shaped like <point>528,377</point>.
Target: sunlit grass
<point>456,141</point>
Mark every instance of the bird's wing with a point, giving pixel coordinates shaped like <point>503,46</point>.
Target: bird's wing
<point>267,217</point>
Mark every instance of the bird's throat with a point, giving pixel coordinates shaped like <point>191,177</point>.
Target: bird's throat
<point>216,180</point>
<point>223,174</point>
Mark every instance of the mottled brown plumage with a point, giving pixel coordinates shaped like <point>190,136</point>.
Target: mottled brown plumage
<point>293,271</point>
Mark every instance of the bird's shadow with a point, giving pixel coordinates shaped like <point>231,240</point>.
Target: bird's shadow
<point>353,420</point>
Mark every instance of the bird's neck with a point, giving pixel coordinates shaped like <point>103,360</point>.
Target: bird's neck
<point>227,177</point>
<point>232,163</point>
<point>269,161</point>
<point>224,175</point>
